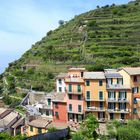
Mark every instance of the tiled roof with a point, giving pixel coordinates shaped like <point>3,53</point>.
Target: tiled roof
<point>58,125</point>
<point>75,69</point>
<point>7,119</point>
<point>40,123</point>
<point>19,122</point>
<point>132,71</point>
<point>94,75</point>
<point>59,97</point>
<point>113,75</point>
<point>2,110</point>
<point>62,75</point>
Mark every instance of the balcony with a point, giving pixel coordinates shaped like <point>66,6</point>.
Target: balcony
<point>74,92</point>
<point>95,109</point>
<point>117,86</point>
<point>119,100</point>
<point>95,100</point>
<point>118,111</point>
<point>75,112</point>
<point>74,80</point>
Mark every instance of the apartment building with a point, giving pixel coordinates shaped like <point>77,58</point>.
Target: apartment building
<point>110,94</point>
<point>75,92</point>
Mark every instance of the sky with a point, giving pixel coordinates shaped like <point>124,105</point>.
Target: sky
<point>24,22</point>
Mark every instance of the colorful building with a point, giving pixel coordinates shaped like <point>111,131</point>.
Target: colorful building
<point>110,94</point>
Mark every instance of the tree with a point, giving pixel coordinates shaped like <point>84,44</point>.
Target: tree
<point>89,126</point>
<point>61,22</point>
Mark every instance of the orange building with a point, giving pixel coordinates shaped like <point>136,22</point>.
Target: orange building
<point>60,108</point>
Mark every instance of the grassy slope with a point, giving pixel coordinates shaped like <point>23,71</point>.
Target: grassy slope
<point>107,37</point>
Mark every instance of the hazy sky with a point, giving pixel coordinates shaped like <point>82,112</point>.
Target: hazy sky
<point>23,22</point>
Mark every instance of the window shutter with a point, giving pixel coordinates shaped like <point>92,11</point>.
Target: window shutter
<point>137,89</point>
<point>109,94</point>
<point>125,94</point>
<point>119,94</point>
<point>115,94</point>
<point>132,90</point>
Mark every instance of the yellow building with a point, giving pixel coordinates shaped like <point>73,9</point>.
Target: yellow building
<point>95,94</point>
<point>37,126</point>
<point>131,77</point>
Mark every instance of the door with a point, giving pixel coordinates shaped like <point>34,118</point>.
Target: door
<point>111,116</point>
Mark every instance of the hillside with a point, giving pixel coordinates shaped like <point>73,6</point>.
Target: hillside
<point>108,37</point>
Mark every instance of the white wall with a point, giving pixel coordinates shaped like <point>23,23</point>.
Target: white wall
<point>62,85</point>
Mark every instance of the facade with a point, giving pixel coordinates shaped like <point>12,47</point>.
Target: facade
<point>110,94</point>
<point>60,83</point>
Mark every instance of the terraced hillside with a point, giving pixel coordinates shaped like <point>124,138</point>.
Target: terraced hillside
<point>108,37</point>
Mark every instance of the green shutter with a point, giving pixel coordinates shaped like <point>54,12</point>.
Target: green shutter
<point>119,94</point>
<point>115,94</point>
<point>125,94</point>
<point>70,88</point>
<point>117,81</point>
<point>109,94</point>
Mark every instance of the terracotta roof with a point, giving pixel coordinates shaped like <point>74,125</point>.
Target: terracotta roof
<point>94,75</point>
<point>40,123</point>
<point>132,70</point>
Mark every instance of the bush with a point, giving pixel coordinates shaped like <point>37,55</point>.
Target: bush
<point>52,129</point>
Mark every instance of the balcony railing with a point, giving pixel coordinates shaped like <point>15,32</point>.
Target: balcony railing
<point>118,110</point>
<point>74,92</point>
<point>119,100</point>
<point>117,86</point>
<point>75,112</point>
<point>74,80</point>
<point>93,99</point>
<point>97,109</point>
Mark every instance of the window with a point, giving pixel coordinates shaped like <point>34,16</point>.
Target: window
<point>79,108</point>
<point>101,105</point>
<point>60,89</point>
<point>60,81</point>
<point>79,97</point>
<point>122,116</point>
<point>88,95</point>
<point>70,96</point>
<point>101,95</point>
<point>78,88</point>
<point>122,106</point>
<point>82,73</point>
<point>100,83</point>
<point>39,130</point>
<point>120,81</point>
<point>49,102</point>
<point>135,101</point>
<point>135,90</point>
<point>70,88</point>
<point>87,83</point>
<point>135,79</point>
<point>111,95</point>
<point>70,107</point>
<point>122,95</point>
<point>31,128</point>
<point>109,81</point>
<point>57,114</point>
<point>134,111</point>
<point>88,104</point>
<point>111,106</point>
